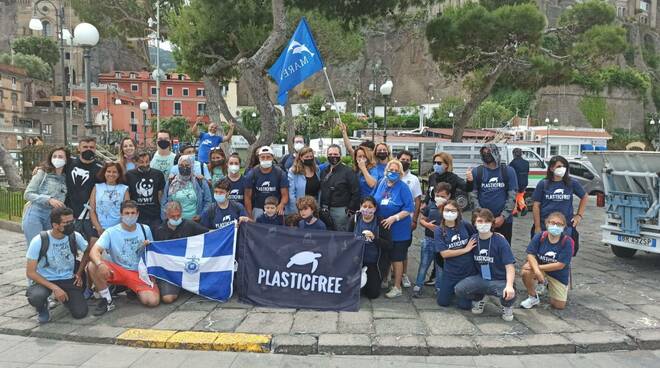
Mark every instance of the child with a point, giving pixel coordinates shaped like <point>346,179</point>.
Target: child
<point>292,220</point>
<point>307,209</point>
<point>270,216</point>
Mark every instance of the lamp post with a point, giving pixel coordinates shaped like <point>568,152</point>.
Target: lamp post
<point>386,91</point>
<point>547,135</point>
<point>157,74</point>
<point>451,116</point>
<point>655,123</point>
<point>35,24</point>
<point>86,36</point>
<point>144,105</point>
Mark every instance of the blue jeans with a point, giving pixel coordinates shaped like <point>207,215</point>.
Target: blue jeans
<point>36,219</point>
<point>426,256</point>
<point>474,288</point>
<point>445,285</point>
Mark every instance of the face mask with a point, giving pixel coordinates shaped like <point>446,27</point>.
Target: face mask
<point>381,155</point>
<point>308,162</point>
<point>87,155</point>
<point>483,228</point>
<point>233,169</point>
<point>298,146</point>
<point>334,160</point>
<point>163,144</point>
<point>68,229</point>
<point>555,230</point>
<point>174,222</point>
<point>144,169</point>
<point>58,162</point>
<point>129,220</point>
<point>560,172</point>
<point>406,166</point>
<point>393,175</point>
<point>185,171</point>
<point>267,164</point>
<point>367,211</point>
<point>439,169</point>
<point>220,198</point>
<point>487,158</point>
<point>211,133</point>
<point>439,201</point>
<point>451,216</point>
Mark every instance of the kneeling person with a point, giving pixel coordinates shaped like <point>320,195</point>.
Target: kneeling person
<point>124,243</point>
<point>51,258</point>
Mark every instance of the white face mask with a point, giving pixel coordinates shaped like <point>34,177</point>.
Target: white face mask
<point>233,169</point>
<point>58,162</point>
<point>451,216</point>
<point>266,164</point>
<point>483,228</point>
<point>560,172</point>
<point>439,201</point>
<point>298,146</point>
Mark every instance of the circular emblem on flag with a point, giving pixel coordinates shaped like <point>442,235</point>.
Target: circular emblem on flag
<point>192,266</point>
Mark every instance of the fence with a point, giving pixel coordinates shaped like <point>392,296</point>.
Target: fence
<point>11,205</point>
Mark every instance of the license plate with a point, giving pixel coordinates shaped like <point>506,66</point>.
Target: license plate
<point>645,242</point>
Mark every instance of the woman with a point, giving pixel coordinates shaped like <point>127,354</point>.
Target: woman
<point>217,165</point>
<point>192,193</point>
<point>377,243</point>
<point>236,180</point>
<point>454,241</point>
<point>555,194</point>
<point>382,153</point>
<point>106,198</point>
<point>126,156</point>
<point>303,179</point>
<point>395,204</point>
<point>443,166</point>
<point>46,190</point>
<point>548,263</point>
<point>365,168</point>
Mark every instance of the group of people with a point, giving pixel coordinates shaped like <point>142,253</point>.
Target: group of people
<point>109,212</point>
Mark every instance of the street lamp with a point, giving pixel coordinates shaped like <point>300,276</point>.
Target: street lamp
<point>144,105</point>
<point>86,36</point>
<point>323,108</point>
<point>547,135</point>
<point>386,91</point>
<point>254,114</point>
<point>656,124</point>
<point>451,116</point>
<point>35,24</point>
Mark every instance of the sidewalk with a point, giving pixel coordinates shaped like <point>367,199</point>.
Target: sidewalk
<point>613,306</point>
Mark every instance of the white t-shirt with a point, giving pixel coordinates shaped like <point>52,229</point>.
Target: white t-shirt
<point>412,181</point>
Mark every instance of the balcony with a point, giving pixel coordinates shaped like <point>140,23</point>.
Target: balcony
<point>177,112</point>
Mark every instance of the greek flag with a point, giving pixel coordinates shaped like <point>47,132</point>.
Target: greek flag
<point>202,264</point>
<point>299,60</point>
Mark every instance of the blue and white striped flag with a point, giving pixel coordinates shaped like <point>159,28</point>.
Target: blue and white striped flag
<point>202,264</point>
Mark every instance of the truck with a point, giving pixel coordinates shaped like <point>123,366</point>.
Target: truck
<point>631,181</point>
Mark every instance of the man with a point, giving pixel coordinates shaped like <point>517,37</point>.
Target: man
<point>494,186</point>
<point>50,267</point>
<point>521,167</point>
<point>124,243</point>
<point>80,179</point>
<point>264,181</point>
<point>163,160</point>
<point>224,210</point>
<point>340,189</point>
<point>175,227</point>
<point>200,170</point>
<point>412,182</point>
<point>287,160</point>
<point>210,139</point>
<point>145,186</point>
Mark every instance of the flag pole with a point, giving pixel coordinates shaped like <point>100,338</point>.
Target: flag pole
<point>334,101</point>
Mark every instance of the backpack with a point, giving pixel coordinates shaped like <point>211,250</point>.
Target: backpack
<point>45,243</point>
<point>564,238</point>
<point>503,173</point>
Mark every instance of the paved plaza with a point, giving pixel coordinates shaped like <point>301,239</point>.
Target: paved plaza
<point>614,305</point>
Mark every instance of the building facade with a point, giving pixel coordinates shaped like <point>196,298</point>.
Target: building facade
<point>15,126</point>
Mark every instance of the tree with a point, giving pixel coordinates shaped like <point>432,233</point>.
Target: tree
<point>178,128</point>
<point>44,48</point>
<point>33,65</point>
<point>481,43</point>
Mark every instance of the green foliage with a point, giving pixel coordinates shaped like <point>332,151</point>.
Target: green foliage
<point>252,123</point>
<point>621,138</point>
<point>595,110</point>
<point>613,76</point>
<point>514,100</point>
<point>33,65</point>
<point>600,43</point>
<point>491,114</point>
<point>178,127</point>
<point>441,113</point>
<point>582,16</point>
<point>42,47</point>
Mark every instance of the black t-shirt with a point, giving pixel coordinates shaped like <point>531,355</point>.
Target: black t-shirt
<point>143,188</point>
<point>80,180</point>
<point>185,229</point>
<point>313,186</point>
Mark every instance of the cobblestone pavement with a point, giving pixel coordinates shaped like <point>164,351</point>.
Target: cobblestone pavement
<point>23,352</point>
<point>613,306</point>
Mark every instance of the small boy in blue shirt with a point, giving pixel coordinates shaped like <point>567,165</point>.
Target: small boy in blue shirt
<point>307,209</point>
<point>270,216</point>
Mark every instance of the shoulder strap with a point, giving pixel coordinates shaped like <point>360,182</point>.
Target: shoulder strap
<point>144,233</point>
<point>544,235</point>
<point>45,242</point>
<point>73,244</point>
<point>504,170</point>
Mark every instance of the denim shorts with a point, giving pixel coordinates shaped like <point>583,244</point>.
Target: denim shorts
<point>399,251</point>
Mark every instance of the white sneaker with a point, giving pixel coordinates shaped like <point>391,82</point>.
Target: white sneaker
<point>416,289</point>
<point>394,292</point>
<point>405,281</point>
<point>530,302</point>
<point>52,302</point>
<point>478,306</point>
<point>507,314</point>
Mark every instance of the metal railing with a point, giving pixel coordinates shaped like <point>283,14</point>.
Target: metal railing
<point>11,205</point>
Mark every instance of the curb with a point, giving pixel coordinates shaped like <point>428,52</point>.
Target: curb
<point>195,340</point>
<point>11,226</point>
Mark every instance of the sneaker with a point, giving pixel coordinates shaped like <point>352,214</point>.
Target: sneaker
<point>394,292</point>
<point>52,302</point>
<point>103,307</point>
<point>530,302</point>
<point>44,315</point>
<point>417,292</point>
<point>507,314</point>
<point>478,306</point>
<point>430,282</point>
<point>405,281</point>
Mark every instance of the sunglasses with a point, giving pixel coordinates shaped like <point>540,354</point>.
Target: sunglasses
<point>438,162</point>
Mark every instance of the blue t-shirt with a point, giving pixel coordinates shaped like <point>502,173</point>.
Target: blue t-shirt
<point>380,171</point>
<point>317,225</point>
<point>370,254</point>
<point>392,200</point>
<point>237,190</point>
<point>206,142</point>
<point>60,260</point>
<point>214,217</point>
<point>266,185</point>
<point>275,220</point>
<point>495,252</point>
<point>493,191</point>
<point>547,253</point>
<point>108,202</point>
<point>556,196</point>
<point>456,238</point>
<point>365,189</point>
<point>431,212</point>
<point>125,247</point>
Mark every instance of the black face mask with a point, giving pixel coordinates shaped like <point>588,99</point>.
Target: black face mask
<point>87,155</point>
<point>487,158</point>
<point>406,165</point>
<point>381,155</point>
<point>163,144</point>
<point>218,162</point>
<point>334,160</point>
<point>68,229</point>
<point>185,171</point>
<point>308,162</point>
<point>144,169</point>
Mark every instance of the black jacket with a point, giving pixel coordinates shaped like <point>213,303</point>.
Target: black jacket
<point>446,177</point>
<point>521,166</point>
<point>185,229</point>
<point>340,187</point>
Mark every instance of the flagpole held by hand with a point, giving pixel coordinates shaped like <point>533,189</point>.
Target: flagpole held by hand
<point>334,101</point>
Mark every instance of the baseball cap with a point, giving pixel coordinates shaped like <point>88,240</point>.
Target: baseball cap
<point>265,150</point>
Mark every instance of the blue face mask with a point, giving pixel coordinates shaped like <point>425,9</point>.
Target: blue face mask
<point>174,222</point>
<point>220,198</point>
<point>555,230</point>
<point>393,176</point>
<point>129,220</point>
<point>439,169</point>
